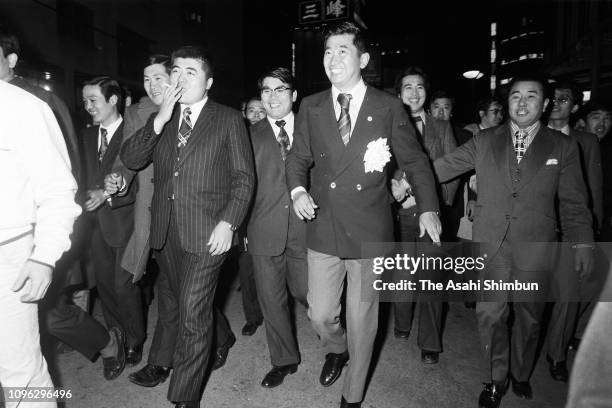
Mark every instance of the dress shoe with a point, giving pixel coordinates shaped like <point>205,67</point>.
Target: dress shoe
<point>221,352</point>
<point>522,389</point>
<point>187,404</point>
<point>430,357</point>
<point>344,404</point>
<point>150,375</point>
<point>334,363</point>
<point>133,355</point>
<point>250,328</point>
<point>558,369</point>
<point>113,366</point>
<point>401,334</point>
<point>491,395</point>
<point>275,377</point>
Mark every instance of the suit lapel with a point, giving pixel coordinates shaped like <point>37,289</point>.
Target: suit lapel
<point>200,130</point>
<point>502,151</point>
<point>328,126</point>
<point>536,156</point>
<point>112,150</point>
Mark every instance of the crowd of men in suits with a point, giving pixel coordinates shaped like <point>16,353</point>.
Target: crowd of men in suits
<point>180,174</point>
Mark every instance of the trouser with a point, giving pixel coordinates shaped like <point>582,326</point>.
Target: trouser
<point>183,336</point>
<point>273,274</point>
<point>22,364</point>
<point>326,274</point>
<point>248,289</point>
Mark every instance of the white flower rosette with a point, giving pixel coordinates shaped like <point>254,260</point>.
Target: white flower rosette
<point>377,155</point>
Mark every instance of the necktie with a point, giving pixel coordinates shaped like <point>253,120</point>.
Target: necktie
<point>519,144</point>
<point>103,144</point>
<point>344,121</point>
<point>185,129</point>
<point>418,123</point>
<point>283,138</point>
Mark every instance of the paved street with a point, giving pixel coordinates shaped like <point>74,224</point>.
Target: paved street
<point>399,378</point>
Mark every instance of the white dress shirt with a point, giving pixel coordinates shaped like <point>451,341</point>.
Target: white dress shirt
<point>357,95</point>
<point>110,131</point>
<point>289,122</point>
<point>196,108</point>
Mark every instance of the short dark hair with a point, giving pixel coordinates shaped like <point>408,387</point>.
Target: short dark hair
<point>281,73</point>
<point>571,86</point>
<point>594,105</point>
<point>195,52</point>
<point>440,93</point>
<point>359,40</point>
<point>108,87</point>
<point>9,42</point>
<point>485,104</point>
<point>159,59</point>
<point>530,78</point>
<point>410,71</point>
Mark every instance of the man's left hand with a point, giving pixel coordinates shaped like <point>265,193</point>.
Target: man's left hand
<point>35,278</point>
<point>583,261</point>
<point>96,199</point>
<point>221,239</point>
<point>430,222</point>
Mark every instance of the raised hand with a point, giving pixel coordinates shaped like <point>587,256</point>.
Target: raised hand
<point>172,93</point>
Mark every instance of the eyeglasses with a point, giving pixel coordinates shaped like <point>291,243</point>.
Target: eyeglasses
<point>279,91</point>
<point>561,100</point>
<point>495,111</point>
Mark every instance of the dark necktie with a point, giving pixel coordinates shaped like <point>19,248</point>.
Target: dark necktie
<point>283,138</point>
<point>103,144</point>
<point>344,121</point>
<point>418,124</point>
<point>185,129</point>
<point>519,144</point>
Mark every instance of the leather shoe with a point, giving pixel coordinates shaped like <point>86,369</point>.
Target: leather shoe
<point>221,353</point>
<point>334,363</point>
<point>430,357</point>
<point>113,366</point>
<point>401,334</point>
<point>344,404</point>
<point>250,328</point>
<point>187,404</point>
<point>558,369</point>
<point>133,355</point>
<point>150,375</point>
<point>275,377</point>
<point>522,389</point>
<point>491,395</point>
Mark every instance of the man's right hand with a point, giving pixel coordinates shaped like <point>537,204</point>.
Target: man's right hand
<point>304,206</point>
<point>470,209</point>
<point>172,93</point>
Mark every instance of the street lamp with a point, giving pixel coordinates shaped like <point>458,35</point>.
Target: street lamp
<point>473,74</point>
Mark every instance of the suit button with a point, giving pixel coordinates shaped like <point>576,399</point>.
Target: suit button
<point>358,187</point>
<point>176,174</point>
<point>333,185</point>
<point>286,206</point>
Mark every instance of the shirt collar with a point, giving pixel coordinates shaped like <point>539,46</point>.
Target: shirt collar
<point>112,128</point>
<point>422,115</point>
<point>531,130</point>
<point>289,119</point>
<point>357,93</point>
<point>196,108</point>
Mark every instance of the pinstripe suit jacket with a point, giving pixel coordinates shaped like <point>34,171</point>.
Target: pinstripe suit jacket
<point>212,181</point>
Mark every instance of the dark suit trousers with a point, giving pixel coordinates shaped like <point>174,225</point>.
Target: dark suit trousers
<point>273,274</point>
<point>121,299</point>
<point>248,290</point>
<point>502,356</point>
<point>430,313</point>
<point>184,334</point>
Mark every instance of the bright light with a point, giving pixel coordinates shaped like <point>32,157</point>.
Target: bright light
<point>586,96</point>
<point>474,74</point>
<point>47,88</point>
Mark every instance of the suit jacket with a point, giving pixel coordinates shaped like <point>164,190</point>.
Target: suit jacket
<point>116,221</point>
<point>354,206</point>
<point>590,159</point>
<point>213,179</point>
<point>517,202</point>
<point>272,218</point>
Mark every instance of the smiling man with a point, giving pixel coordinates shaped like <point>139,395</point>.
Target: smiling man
<point>526,172</point>
<point>204,180</point>
<point>348,201</point>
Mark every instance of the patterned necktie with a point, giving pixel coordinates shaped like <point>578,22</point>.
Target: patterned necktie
<point>185,129</point>
<point>283,138</point>
<point>103,144</point>
<point>519,144</point>
<point>344,121</point>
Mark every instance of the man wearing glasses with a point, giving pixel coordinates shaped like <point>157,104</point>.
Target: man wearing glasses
<point>566,101</point>
<point>277,237</point>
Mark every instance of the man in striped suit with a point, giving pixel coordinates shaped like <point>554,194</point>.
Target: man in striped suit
<point>204,180</point>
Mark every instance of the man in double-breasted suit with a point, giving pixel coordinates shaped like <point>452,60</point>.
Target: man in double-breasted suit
<point>522,168</point>
<point>342,136</point>
<point>113,218</point>
<point>203,183</point>
<point>276,236</point>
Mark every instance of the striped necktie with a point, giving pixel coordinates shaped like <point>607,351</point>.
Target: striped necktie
<point>185,129</point>
<point>344,121</point>
<point>519,144</point>
<point>283,138</point>
<point>103,144</point>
